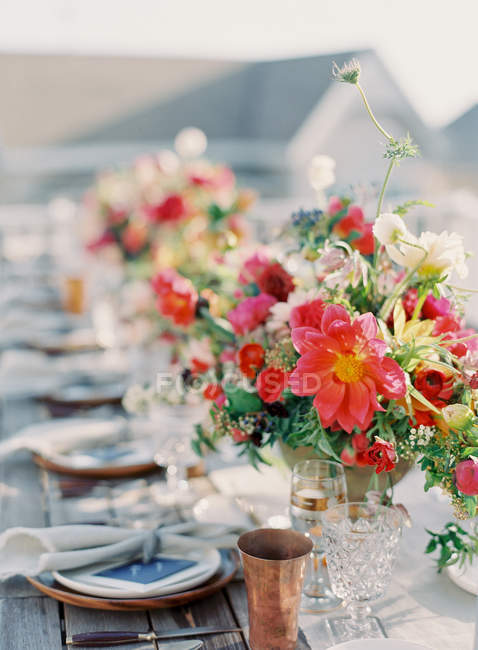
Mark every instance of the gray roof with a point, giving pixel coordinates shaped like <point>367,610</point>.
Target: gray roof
<point>462,136</point>
<point>268,100</point>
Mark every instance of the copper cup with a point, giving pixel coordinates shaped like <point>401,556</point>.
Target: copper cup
<point>274,567</point>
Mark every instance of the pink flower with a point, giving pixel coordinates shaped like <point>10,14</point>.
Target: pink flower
<point>434,307</point>
<point>253,268</point>
<point>228,354</point>
<point>466,477</point>
<point>250,313</point>
<point>335,205</point>
<point>344,365</point>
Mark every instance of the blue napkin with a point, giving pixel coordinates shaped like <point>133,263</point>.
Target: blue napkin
<point>158,568</point>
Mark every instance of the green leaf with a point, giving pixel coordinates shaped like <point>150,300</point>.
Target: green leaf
<point>470,505</point>
<point>241,401</point>
<point>418,396</point>
<point>431,546</point>
<point>216,213</point>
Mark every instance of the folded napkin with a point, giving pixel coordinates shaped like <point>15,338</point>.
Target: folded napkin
<point>63,435</point>
<point>31,551</point>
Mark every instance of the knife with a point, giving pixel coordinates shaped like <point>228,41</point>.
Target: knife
<point>99,639</point>
<point>103,639</point>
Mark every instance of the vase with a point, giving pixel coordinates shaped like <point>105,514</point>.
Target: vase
<point>358,478</point>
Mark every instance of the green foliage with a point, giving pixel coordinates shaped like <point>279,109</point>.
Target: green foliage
<point>404,208</point>
<point>455,545</point>
<point>241,401</point>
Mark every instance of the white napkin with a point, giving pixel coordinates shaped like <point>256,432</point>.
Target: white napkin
<point>63,435</point>
<point>31,551</point>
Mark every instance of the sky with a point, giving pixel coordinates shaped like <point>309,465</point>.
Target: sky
<point>430,46</point>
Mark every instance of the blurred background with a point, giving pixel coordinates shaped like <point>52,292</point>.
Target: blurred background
<point>94,84</point>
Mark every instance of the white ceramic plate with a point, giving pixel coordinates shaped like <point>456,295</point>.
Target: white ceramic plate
<point>379,644</point>
<point>466,578</point>
<point>83,580</point>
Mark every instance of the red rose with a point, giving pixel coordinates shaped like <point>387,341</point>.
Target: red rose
<point>250,313</point>
<point>275,281</point>
<point>177,298</point>
<point>434,384</point>
<point>251,359</point>
<point>240,436</point>
<point>382,454</point>
<point>308,315</point>
<point>171,210</point>
<point>212,392</point>
<point>466,477</point>
<point>270,384</point>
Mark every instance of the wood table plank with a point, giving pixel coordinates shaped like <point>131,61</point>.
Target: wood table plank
<point>32,623</point>
<point>213,611</point>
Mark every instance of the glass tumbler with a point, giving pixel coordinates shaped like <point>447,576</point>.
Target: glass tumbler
<point>316,485</point>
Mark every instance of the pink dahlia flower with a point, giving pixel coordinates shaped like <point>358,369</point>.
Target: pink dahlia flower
<point>344,365</point>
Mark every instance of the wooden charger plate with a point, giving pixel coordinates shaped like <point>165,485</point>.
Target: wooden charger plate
<point>109,471</point>
<point>226,572</point>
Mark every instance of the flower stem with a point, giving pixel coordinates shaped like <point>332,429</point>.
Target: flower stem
<point>419,305</point>
<point>387,305</point>
<point>384,187</point>
<point>226,335</point>
<point>372,116</point>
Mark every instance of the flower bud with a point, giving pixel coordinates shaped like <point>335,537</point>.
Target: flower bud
<point>458,416</point>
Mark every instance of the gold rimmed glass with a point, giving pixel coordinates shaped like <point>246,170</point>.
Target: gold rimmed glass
<point>316,486</point>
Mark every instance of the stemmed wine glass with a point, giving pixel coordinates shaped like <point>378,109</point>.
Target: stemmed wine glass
<point>316,485</point>
<point>173,431</point>
<point>361,544</point>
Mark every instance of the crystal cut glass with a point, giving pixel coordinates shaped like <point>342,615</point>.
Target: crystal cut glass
<point>361,542</point>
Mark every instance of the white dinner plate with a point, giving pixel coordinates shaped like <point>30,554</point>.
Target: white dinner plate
<point>207,562</point>
<point>379,644</point>
<point>465,577</point>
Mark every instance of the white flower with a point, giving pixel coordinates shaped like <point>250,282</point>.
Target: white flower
<point>434,255</point>
<point>389,228</point>
<point>321,172</point>
<point>190,142</point>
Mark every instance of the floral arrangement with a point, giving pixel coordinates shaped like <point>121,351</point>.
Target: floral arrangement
<point>169,210</point>
<point>352,341</point>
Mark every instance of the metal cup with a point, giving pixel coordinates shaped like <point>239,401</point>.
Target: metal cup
<point>274,567</point>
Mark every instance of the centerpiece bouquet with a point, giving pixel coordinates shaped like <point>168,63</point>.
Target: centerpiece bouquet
<point>176,213</point>
<point>350,344</point>
<point>167,210</point>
